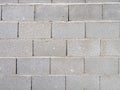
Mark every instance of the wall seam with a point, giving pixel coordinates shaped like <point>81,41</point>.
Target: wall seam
<point>32,47</point>
<point>66,48</point>
<point>51,30</point>
<point>68,13</point>
<point>49,65</point>
<point>31,82</point>
<point>1,12</point>
<point>85,30</point>
<point>16,67</point>
<point>18,30</point>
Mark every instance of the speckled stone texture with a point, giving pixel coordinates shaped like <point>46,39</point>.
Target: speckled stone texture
<point>59,44</point>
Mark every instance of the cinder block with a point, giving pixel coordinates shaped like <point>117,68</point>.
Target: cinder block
<point>15,48</point>
<point>48,83</point>
<point>110,83</point>
<point>102,1</point>
<point>35,30</point>
<point>7,65</point>
<point>50,48</point>
<point>83,82</point>
<point>17,12</point>
<point>15,83</point>
<point>51,13</point>
<point>101,66</point>
<point>68,30</point>
<point>68,66</point>
<point>85,12</point>
<point>8,1</point>
<point>110,47</point>
<point>33,66</point>
<point>111,12</point>
<point>34,1</point>
<point>8,30</point>
<point>68,1</point>
<point>83,47</point>
<point>102,30</point>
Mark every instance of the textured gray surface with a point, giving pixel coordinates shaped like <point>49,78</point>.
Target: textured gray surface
<point>68,1</point>
<point>8,30</point>
<point>110,47</point>
<point>34,1</point>
<point>68,30</point>
<point>51,13</point>
<point>104,66</point>
<point>49,82</point>
<point>83,82</point>
<point>85,12</point>
<point>83,47</point>
<point>102,30</point>
<point>111,12</point>
<point>50,48</point>
<point>15,48</point>
<point>102,1</point>
<point>18,12</point>
<point>59,45</point>
<point>69,66</point>
<point>7,66</point>
<point>33,66</point>
<point>35,30</point>
<point>15,83</point>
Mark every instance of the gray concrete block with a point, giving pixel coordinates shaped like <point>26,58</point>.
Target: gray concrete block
<point>15,48</point>
<point>83,82</point>
<point>85,12</point>
<point>15,83</point>
<point>8,1</point>
<point>33,66</point>
<point>8,30</point>
<point>17,12</point>
<point>111,12</point>
<point>104,66</point>
<point>34,30</point>
<point>68,1</point>
<point>49,47</point>
<point>34,1</point>
<point>48,83</point>
<point>7,66</point>
<point>51,13</point>
<point>102,1</point>
<point>110,83</point>
<point>68,30</point>
<point>110,47</point>
<point>102,30</point>
<point>83,47</point>
<point>67,66</point>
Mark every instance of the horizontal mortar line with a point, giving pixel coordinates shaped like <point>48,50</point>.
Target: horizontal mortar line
<point>59,3</point>
<point>86,21</point>
<point>40,75</point>
<point>9,21</point>
<point>37,39</point>
<point>50,57</point>
<point>59,21</point>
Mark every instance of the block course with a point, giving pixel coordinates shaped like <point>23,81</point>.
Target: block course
<point>67,12</point>
<point>56,1</point>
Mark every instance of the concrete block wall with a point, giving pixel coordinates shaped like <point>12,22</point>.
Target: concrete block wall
<point>59,44</point>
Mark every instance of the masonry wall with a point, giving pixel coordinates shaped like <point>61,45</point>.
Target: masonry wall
<point>59,44</point>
